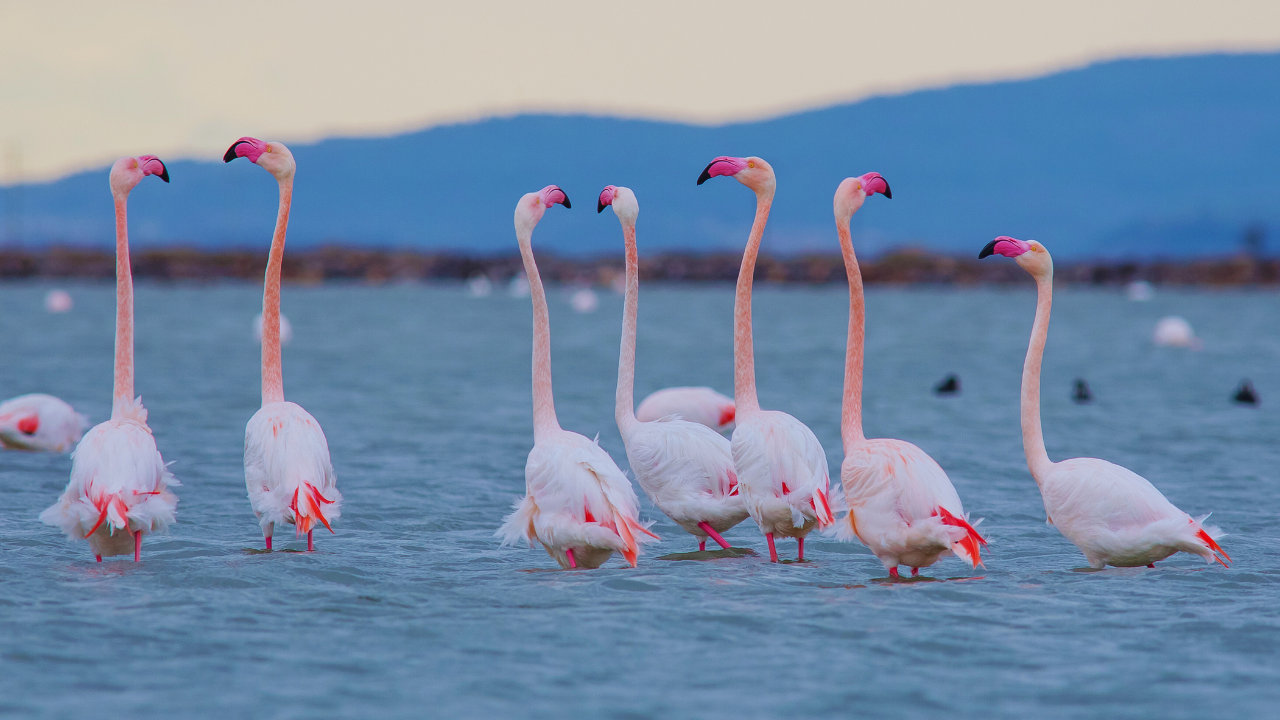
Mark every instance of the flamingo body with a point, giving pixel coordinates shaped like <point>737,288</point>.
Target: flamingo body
<point>782,473</point>
<point>701,405</point>
<point>288,471</point>
<point>40,422</point>
<point>119,485</point>
<point>896,495</point>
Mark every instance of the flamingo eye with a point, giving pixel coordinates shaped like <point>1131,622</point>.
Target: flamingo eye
<point>751,164</point>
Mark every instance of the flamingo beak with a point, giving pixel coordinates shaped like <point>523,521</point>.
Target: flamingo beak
<point>552,194</point>
<point>723,165</point>
<point>1006,246</point>
<point>246,147</point>
<point>606,198</point>
<point>149,163</point>
<point>874,183</point>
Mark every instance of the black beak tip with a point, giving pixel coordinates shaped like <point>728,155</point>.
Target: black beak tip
<point>705,176</point>
<point>164,172</point>
<point>988,249</point>
<point>566,202</point>
<point>600,206</point>
<point>887,192</point>
<point>230,154</point>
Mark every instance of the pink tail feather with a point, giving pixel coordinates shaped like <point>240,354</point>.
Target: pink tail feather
<point>305,518</point>
<point>1214,546</point>
<point>967,547</point>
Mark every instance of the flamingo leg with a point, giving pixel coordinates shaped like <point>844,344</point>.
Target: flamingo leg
<point>800,556</point>
<point>311,546</point>
<point>268,543</point>
<point>1151,565</point>
<point>773,552</point>
<point>915,572</point>
<point>99,557</point>
<point>706,528</point>
<point>569,553</point>
<point>893,573</point>
<point>702,545</point>
<point>137,546</point>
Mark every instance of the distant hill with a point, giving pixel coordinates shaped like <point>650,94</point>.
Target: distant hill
<point>1143,158</point>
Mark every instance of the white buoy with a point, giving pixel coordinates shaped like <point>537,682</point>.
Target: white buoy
<point>1173,331</point>
<point>479,286</point>
<point>584,300</point>
<point>58,301</point>
<point>1140,291</point>
<point>286,329</point>
<point>519,286</point>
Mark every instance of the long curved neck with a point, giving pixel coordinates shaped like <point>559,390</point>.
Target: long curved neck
<point>624,407</point>
<point>123,386</point>
<point>1032,434</point>
<point>272,374</point>
<point>851,408</point>
<point>744,359</point>
<point>544,406</point>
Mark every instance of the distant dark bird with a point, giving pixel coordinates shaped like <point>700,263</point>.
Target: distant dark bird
<point>1081,393</point>
<point>950,385</point>
<point>1245,394</point>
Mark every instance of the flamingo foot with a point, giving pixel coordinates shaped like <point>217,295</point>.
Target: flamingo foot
<point>99,557</point>
<point>800,556</point>
<point>1151,565</point>
<point>137,546</point>
<point>706,528</point>
<point>915,572</point>
<point>702,545</point>
<point>311,546</point>
<point>773,552</point>
<point>893,573</point>
<point>268,543</point>
<point>569,554</point>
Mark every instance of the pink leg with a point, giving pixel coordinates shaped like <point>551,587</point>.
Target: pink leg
<point>706,528</point>
<point>311,546</point>
<point>702,545</point>
<point>137,546</point>
<point>800,556</point>
<point>893,573</point>
<point>1152,566</point>
<point>569,553</point>
<point>773,552</point>
<point>268,543</point>
<point>915,572</point>
<point>99,557</point>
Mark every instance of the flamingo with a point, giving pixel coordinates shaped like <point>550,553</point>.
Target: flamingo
<point>901,504</point>
<point>695,404</point>
<point>119,481</point>
<point>685,468</point>
<point>1115,516</point>
<point>577,503</point>
<point>286,456</point>
<point>782,469</point>
<point>40,422</point>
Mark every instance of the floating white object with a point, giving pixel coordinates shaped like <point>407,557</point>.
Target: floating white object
<point>1173,331</point>
<point>286,329</point>
<point>58,301</point>
<point>479,286</point>
<point>584,300</point>
<point>519,286</point>
<point>1140,291</point>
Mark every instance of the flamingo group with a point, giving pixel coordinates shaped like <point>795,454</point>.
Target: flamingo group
<point>579,504</point>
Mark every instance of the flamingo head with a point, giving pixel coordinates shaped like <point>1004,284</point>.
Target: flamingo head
<point>854,191</point>
<point>1030,254</point>
<point>272,156</point>
<point>750,171</point>
<point>531,207</point>
<point>129,171</point>
<point>623,202</point>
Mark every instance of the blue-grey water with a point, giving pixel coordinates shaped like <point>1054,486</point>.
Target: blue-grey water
<point>413,610</point>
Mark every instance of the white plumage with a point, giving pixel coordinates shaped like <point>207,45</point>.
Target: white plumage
<point>695,404</point>
<point>782,473</point>
<point>40,422</point>
<point>287,469</point>
<point>119,485</point>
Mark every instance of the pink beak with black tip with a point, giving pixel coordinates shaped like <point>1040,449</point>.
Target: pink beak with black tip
<point>874,182</point>
<point>245,147</point>
<point>723,165</point>
<point>151,165</point>
<point>552,194</point>
<point>606,198</point>
<point>1006,246</point>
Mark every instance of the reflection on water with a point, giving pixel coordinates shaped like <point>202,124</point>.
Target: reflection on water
<point>424,395</point>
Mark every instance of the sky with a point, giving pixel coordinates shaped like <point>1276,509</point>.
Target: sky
<point>86,81</point>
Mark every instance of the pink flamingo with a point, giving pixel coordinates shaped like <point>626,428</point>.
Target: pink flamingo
<point>782,469</point>
<point>1115,516</point>
<point>695,404</point>
<point>685,468</point>
<point>286,455</point>
<point>577,503</point>
<point>119,481</point>
<point>901,504</point>
<point>40,422</point>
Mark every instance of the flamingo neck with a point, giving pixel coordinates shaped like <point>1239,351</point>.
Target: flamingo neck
<point>272,373</point>
<point>1032,434</point>
<point>624,404</point>
<point>123,386</point>
<point>744,360</point>
<point>851,408</point>
<point>544,406</point>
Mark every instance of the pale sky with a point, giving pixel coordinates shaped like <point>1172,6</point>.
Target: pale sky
<point>86,81</point>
